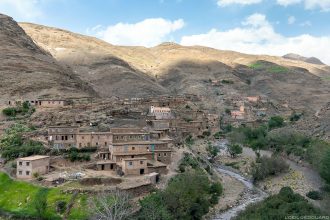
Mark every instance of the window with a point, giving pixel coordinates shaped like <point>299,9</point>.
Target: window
<point>165,154</point>
<point>147,148</point>
<point>20,172</point>
<point>27,173</point>
<point>141,161</point>
<point>82,137</point>
<point>159,155</point>
<point>130,163</point>
<point>133,148</point>
<point>105,143</point>
<point>27,163</point>
<point>20,163</point>
<point>97,144</point>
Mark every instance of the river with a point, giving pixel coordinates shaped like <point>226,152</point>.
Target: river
<point>251,195</point>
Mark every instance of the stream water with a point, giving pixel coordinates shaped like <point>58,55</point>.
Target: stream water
<point>251,194</point>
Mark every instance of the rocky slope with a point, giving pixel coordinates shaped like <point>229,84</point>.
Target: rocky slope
<point>88,66</point>
<point>312,60</point>
<point>28,70</point>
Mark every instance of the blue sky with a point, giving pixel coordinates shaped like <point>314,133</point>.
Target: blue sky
<point>272,27</point>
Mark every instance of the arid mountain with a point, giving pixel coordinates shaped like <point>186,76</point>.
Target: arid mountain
<point>312,60</point>
<point>30,71</point>
<point>174,69</point>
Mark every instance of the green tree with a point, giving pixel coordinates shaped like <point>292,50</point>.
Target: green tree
<point>234,150</point>
<point>153,207</point>
<point>325,166</point>
<point>275,122</point>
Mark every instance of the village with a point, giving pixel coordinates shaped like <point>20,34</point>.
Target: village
<point>138,148</point>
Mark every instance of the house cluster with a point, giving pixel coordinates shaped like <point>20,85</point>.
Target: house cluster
<point>47,103</point>
<point>123,150</point>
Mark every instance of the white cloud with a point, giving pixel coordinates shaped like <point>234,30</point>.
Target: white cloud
<point>291,20</point>
<point>324,5</point>
<point>257,36</point>
<point>21,9</point>
<point>224,3</point>
<point>306,24</point>
<point>148,32</point>
<point>288,2</point>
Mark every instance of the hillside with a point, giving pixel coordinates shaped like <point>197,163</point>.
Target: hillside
<point>28,70</point>
<point>312,60</point>
<point>169,68</point>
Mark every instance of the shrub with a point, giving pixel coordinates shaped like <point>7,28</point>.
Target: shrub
<point>226,81</point>
<point>11,112</point>
<point>315,195</point>
<point>36,175</point>
<point>275,122</point>
<point>234,150</point>
<point>268,166</point>
<point>212,150</point>
<point>228,111</point>
<point>216,188</point>
<point>189,140</point>
<point>60,206</point>
<point>206,133</point>
<point>325,167</point>
<point>280,206</point>
<point>295,117</point>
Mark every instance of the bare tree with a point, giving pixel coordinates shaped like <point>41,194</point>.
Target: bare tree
<point>113,205</point>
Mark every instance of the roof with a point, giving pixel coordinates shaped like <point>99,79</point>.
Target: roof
<point>63,126</point>
<point>135,158</point>
<point>133,153</point>
<point>35,157</point>
<point>139,143</point>
<point>106,162</point>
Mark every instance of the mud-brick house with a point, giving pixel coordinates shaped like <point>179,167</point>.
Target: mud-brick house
<point>160,113</point>
<point>62,137</point>
<point>93,139</point>
<point>121,135</point>
<point>253,98</point>
<point>134,166</point>
<point>28,166</point>
<point>49,103</point>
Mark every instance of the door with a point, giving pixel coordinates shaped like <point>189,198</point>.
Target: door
<point>141,171</point>
<point>102,167</point>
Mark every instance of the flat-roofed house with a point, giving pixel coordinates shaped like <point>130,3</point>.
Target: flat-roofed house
<point>135,166</point>
<point>160,113</point>
<point>94,139</point>
<point>62,136</point>
<point>28,166</point>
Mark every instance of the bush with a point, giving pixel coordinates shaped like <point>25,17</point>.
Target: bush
<point>228,111</point>
<point>188,161</point>
<point>189,140</point>
<point>325,167</point>
<point>234,150</point>
<point>225,81</point>
<point>12,144</point>
<point>212,150</point>
<point>60,206</point>
<point>206,133</point>
<point>315,195</point>
<point>280,206</point>
<point>187,196</point>
<point>11,112</point>
<point>268,166</point>
<point>295,117</point>
<point>275,122</point>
